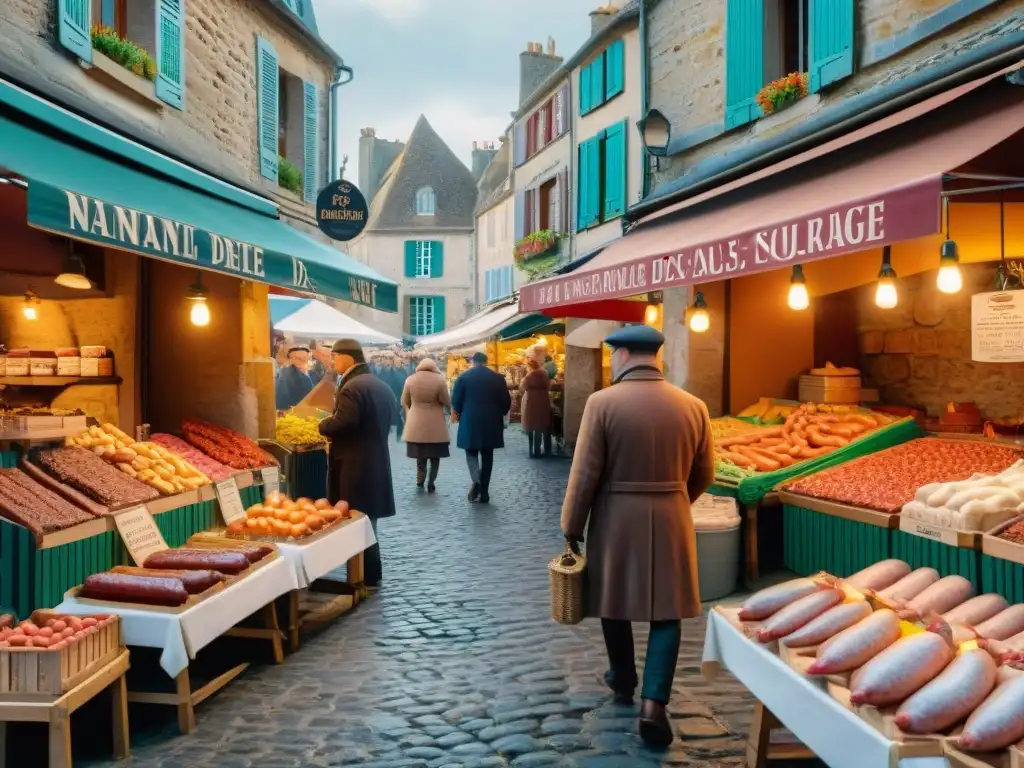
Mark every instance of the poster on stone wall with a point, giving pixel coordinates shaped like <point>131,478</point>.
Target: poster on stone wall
<point>997,327</point>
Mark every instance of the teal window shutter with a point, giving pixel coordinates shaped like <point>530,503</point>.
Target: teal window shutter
<point>744,60</point>
<point>488,285</point>
<point>593,189</point>
<point>310,144</point>
<point>438,314</point>
<point>597,82</point>
<point>584,89</point>
<point>410,257</point>
<point>614,69</point>
<point>614,172</point>
<point>74,20</point>
<point>266,103</point>
<point>831,41</point>
<point>582,185</point>
<point>170,53</point>
<point>436,258</point>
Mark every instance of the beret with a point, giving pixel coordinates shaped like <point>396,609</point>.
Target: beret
<point>636,338</point>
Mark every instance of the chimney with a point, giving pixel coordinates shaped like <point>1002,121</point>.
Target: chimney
<point>483,153</point>
<point>375,156</point>
<point>535,65</point>
<point>601,17</point>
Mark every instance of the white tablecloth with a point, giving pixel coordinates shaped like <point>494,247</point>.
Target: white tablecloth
<point>320,557</point>
<point>182,635</point>
<point>835,734</point>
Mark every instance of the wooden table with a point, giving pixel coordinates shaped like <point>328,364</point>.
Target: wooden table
<point>347,595</point>
<point>56,711</point>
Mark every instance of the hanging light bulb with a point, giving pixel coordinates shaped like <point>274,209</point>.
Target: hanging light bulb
<point>31,308</point>
<point>72,272</point>
<point>700,320</point>
<point>200,314</point>
<point>798,297</point>
<point>651,314</point>
<point>949,280</point>
<point>885,292</point>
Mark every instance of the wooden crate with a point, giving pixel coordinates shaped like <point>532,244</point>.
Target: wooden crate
<point>830,389</point>
<point>37,672</point>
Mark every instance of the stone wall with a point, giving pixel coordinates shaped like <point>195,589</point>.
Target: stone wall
<point>582,379</point>
<point>696,361</point>
<point>920,352</point>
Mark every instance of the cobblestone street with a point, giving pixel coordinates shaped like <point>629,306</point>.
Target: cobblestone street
<point>456,661</point>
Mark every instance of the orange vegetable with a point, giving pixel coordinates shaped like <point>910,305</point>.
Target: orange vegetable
<point>750,438</point>
<point>817,438</point>
<point>761,463</point>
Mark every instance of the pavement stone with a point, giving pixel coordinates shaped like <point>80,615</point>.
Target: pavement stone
<point>454,662</point>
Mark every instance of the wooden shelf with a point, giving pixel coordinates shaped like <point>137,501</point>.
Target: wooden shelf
<point>56,381</point>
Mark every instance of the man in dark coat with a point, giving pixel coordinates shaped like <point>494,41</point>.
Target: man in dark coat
<point>480,403</point>
<point>293,380</point>
<point>360,461</point>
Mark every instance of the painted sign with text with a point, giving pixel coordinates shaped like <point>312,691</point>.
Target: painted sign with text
<point>341,210</point>
<point>902,214</point>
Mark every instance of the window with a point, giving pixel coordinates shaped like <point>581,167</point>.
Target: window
<point>548,122</point>
<point>425,202</point>
<point>499,283</point>
<point>604,78</point>
<point>426,315</point>
<point>424,259</point>
<point>785,36</point>
<point>601,180</point>
<point>111,13</point>
<point>547,210</point>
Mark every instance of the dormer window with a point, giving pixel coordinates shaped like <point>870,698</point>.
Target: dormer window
<point>425,201</point>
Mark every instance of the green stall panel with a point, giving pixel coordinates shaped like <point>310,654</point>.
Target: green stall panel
<point>919,552</point>
<point>724,490</point>
<point>308,475</point>
<point>814,542</point>
<point>1003,577</point>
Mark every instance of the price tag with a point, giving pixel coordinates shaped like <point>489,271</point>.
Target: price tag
<point>271,480</point>
<point>230,501</point>
<point>709,504</point>
<point>139,533</point>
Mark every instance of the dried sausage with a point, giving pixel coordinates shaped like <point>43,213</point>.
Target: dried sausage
<point>148,590</point>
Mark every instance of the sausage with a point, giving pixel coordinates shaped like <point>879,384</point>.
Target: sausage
<point>855,645</point>
<point>195,582</point>
<point>976,610</point>
<point>230,563</point>
<point>77,498</point>
<point>912,585</point>
<point>254,552</point>
<point>737,459</point>
<point>944,595</point>
<point>999,721</point>
<point>148,590</point>
<point>951,696</point>
<point>828,624</point>
<point>900,670</point>
<point>1015,641</point>
<point>761,463</point>
<point>1005,624</point>
<point>798,613</point>
<point>764,603</point>
<point>880,575</point>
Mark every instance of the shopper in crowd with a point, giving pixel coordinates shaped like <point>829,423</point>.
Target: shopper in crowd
<point>536,408</point>
<point>280,358</point>
<point>480,403</point>
<point>360,461</point>
<point>293,381</point>
<point>643,456</point>
<point>550,367</point>
<point>321,363</point>
<point>424,398</point>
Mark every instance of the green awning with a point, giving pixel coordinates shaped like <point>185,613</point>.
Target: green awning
<point>524,326</point>
<point>86,196</point>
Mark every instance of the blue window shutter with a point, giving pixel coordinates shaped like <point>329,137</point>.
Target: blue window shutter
<point>75,18</point>
<point>170,53</point>
<point>744,60</point>
<point>438,314</point>
<point>831,34</point>
<point>436,258</point>
<point>584,89</point>
<point>310,143</point>
<point>488,286</point>
<point>591,191</point>
<point>614,69</point>
<point>108,12</point>
<point>597,82</point>
<point>614,171</point>
<point>410,257</point>
<point>507,281</point>
<point>266,102</point>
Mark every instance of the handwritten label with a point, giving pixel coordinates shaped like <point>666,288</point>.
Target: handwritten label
<point>230,501</point>
<point>139,533</point>
<point>928,532</point>
<point>709,504</point>
<point>997,327</point>
<point>271,480</point>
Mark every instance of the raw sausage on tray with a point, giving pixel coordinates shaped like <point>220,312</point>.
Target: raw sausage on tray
<point>831,622</point>
<point>764,603</point>
<point>121,587</point>
<point>900,670</point>
<point>951,696</point>
<point>944,595</point>
<point>1004,625</point>
<point>798,613</point>
<point>230,563</point>
<point>880,575</point>
<point>999,721</point>
<point>912,585</point>
<point>976,610</point>
<point>855,645</point>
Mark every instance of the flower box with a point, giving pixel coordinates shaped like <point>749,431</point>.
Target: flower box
<point>782,93</point>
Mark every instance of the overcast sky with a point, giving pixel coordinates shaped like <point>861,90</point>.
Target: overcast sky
<point>456,61</point>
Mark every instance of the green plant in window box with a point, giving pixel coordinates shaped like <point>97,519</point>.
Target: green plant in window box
<point>123,51</point>
<point>288,176</point>
<point>535,245</point>
<point>784,92</point>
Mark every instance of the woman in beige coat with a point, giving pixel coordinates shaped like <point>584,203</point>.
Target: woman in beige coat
<point>424,399</point>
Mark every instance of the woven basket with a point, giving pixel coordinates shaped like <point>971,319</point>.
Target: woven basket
<point>568,587</point>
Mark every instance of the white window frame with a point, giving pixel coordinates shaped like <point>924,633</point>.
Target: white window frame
<point>421,315</point>
<point>424,258</point>
<point>559,122</point>
<point>426,201</point>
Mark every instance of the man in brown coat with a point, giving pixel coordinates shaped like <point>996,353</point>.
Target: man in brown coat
<point>643,455</point>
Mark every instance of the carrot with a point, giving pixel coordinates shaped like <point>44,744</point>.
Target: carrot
<point>867,421</point>
<point>817,438</point>
<point>761,463</point>
<point>737,459</point>
<point>769,442</point>
<point>750,437</point>
<point>813,453</point>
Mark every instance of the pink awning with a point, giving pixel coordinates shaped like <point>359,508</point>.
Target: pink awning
<point>870,194</point>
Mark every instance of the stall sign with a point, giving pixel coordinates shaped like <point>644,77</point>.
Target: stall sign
<point>905,213</point>
<point>229,500</point>
<point>341,210</point>
<point>997,327</point>
<point>140,534</point>
<point>271,477</point>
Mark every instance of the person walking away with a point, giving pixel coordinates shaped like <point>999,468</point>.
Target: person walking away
<point>644,454</point>
<point>359,458</point>
<point>536,409</point>
<point>293,381</point>
<point>550,367</point>
<point>480,403</point>
<point>424,398</point>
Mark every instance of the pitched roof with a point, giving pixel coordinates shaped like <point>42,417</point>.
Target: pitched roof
<point>426,161</point>
<point>492,187</point>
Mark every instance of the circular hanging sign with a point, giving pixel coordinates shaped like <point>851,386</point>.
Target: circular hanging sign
<point>341,210</point>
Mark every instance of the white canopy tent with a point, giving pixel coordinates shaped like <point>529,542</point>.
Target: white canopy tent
<point>468,333</point>
<point>316,320</point>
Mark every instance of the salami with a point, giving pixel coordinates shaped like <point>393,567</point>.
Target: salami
<point>195,582</point>
<point>121,587</point>
<point>227,562</point>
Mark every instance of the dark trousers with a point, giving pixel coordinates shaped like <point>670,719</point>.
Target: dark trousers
<point>480,473</point>
<point>421,470</point>
<point>372,569</point>
<point>537,437</point>
<point>659,666</point>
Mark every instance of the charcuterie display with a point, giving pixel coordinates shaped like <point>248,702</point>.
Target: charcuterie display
<point>227,562</point>
<point>88,473</point>
<point>29,504</point>
<point>130,588</point>
<point>978,503</point>
<point>195,582</point>
<point>225,445</point>
<point>52,633</point>
<point>279,517</point>
<point>209,467</point>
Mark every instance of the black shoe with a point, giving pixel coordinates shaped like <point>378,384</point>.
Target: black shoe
<point>474,492</point>
<point>623,694</point>
<point>485,497</point>
<point>654,725</point>
<point>431,488</point>
<point>419,486</point>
